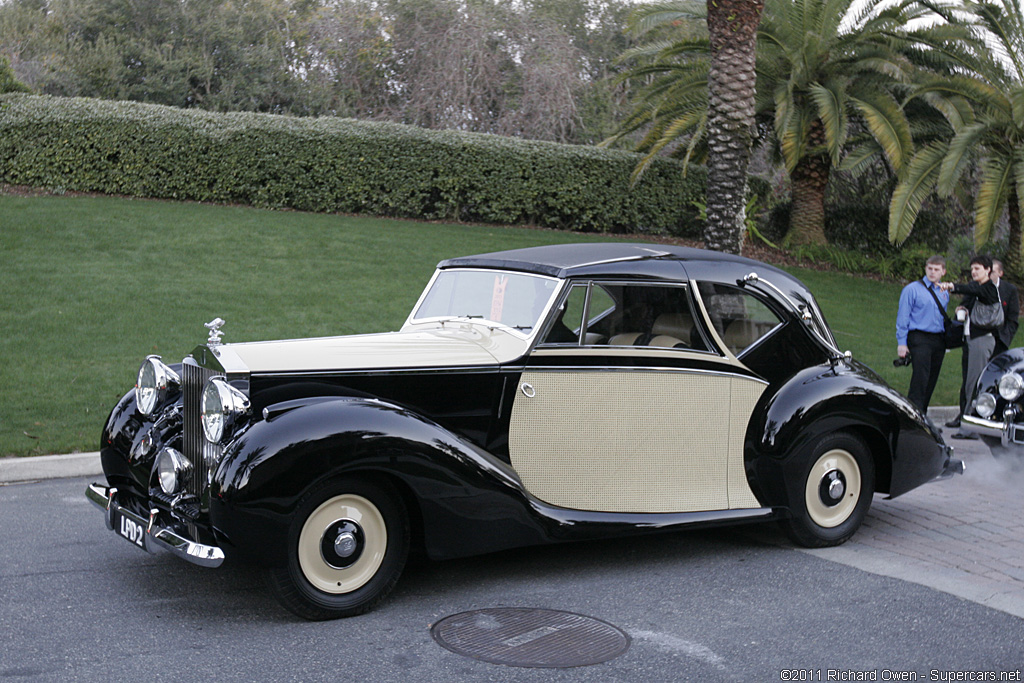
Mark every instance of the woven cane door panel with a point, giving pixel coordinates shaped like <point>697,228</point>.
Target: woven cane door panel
<point>634,441</point>
<point>744,395</point>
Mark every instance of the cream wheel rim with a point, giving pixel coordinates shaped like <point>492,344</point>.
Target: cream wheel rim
<point>833,488</point>
<point>346,511</point>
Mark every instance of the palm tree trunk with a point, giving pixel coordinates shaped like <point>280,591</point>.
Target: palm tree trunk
<point>732,25</point>
<point>1015,248</point>
<point>810,180</point>
<point>807,217</point>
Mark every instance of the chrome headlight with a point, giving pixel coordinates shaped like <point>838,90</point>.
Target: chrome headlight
<point>985,405</point>
<point>155,382</point>
<point>173,469</point>
<point>222,405</point>
<point>1011,386</point>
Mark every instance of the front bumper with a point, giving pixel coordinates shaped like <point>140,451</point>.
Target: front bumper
<point>152,535</point>
<point>1009,433</point>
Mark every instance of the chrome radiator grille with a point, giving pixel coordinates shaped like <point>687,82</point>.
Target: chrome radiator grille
<point>197,449</point>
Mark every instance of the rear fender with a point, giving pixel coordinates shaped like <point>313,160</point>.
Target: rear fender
<point>906,448</point>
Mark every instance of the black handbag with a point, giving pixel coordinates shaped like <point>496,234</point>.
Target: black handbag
<point>952,331</point>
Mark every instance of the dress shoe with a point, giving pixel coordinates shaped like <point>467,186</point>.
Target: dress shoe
<point>954,423</point>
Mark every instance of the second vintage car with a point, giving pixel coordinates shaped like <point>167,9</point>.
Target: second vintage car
<point>533,396</point>
<point>995,409</point>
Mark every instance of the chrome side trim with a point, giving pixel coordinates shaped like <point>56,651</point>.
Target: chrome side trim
<point>375,372</point>
<point>162,537</point>
<point>653,368</point>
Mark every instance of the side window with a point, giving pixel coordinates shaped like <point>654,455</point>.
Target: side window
<point>568,322</point>
<point>739,318</point>
<point>569,318</point>
<point>622,314</point>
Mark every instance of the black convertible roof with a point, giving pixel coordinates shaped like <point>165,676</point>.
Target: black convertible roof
<point>565,260</point>
<point>630,259</point>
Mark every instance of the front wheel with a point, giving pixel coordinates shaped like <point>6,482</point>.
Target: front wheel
<point>838,479</point>
<point>347,546</point>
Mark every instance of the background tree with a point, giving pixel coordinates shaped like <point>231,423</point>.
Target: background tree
<point>8,82</point>
<point>824,69</point>
<point>534,69</point>
<point>987,72</point>
<point>732,35</point>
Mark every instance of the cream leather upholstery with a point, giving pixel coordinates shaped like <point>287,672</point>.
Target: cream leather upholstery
<point>625,339</point>
<point>678,325</point>
<point>666,341</point>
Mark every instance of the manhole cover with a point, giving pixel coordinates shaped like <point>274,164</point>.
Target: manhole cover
<point>519,636</point>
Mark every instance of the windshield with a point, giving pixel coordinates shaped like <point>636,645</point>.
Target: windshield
<point>515,300</point>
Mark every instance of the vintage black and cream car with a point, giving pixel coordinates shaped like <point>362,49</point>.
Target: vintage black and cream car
<point>996,407</point>
<point>534,396</point>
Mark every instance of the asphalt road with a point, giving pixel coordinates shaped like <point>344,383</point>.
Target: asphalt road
<point>78,603</point>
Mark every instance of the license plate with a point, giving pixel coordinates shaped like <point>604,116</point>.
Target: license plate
<point>1017,434</point>
<point>129,529</point>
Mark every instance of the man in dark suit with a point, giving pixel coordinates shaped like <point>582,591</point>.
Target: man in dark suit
<point>1011,307</point>
<point>1004,335</point>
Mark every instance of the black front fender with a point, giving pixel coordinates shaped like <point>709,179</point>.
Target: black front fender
<point>457,493</point>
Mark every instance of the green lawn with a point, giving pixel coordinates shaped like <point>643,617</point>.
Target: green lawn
<point>92,285</point>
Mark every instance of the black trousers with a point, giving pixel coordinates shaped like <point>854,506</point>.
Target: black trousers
<point>927,350</point>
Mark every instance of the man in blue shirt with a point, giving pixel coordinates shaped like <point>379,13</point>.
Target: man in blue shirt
<point>919,330</point>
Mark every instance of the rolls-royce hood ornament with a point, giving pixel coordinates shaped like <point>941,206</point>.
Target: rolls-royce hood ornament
<point>215,333</point>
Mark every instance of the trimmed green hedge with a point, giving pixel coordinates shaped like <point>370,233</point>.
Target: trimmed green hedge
<point>335,165</point>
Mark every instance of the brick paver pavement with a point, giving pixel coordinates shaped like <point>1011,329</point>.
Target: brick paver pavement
<point>963,535</point>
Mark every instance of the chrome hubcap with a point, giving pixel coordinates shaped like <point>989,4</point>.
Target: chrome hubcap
<point>833,487</point>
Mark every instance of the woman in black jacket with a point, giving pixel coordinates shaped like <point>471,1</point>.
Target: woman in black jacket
<point>981,339</point>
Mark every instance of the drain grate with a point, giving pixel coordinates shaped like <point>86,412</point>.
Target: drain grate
<point>530,637</point>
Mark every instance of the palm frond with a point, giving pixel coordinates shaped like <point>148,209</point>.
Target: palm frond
<point>916,185</point>
<point>1016,97</point>
<point>996,179</point>
<point>962,149</point>
<point>954,109</point>
<point>647,18</point>
<point>971,89</point>
<point>795,137</point>
<point>888,124</point>
<point>830,101</point>
<point>1004,24</point>
<point>861,157</point>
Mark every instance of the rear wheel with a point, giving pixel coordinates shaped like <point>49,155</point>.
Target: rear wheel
<point>347,546</point>
<point>838,484</point>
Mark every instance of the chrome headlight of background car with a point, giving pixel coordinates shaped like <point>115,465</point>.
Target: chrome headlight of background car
<point>221,407</point>
<point>155,383</point>
<point>1011,386</point>
<point>985,405</point>
<point>173,469</point>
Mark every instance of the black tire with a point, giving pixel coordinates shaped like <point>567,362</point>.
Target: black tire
<point>352,575</point>
<point>837,484</point>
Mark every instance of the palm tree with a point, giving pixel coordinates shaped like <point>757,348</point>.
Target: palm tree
<point>732,33</point>
<point>991,79</point>
<point>821,66</point>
